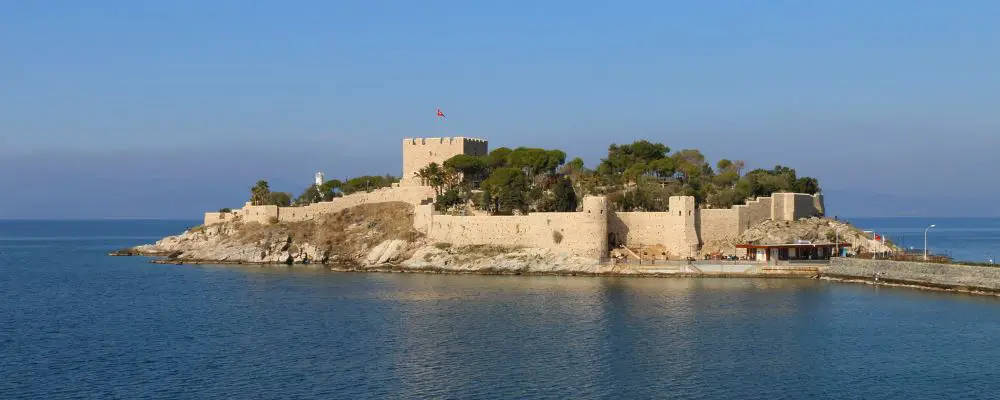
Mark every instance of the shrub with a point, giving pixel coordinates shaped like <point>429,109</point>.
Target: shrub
<point>225,210</point>
<point>557,237</point>
<point>272,220</point>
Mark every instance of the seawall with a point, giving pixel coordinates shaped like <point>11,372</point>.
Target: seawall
<point>950,277</point>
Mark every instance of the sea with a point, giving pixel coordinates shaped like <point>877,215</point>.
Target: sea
<point>77,324</point>
<point>962,239</point>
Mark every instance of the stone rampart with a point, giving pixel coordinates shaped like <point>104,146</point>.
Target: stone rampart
<point>932,275</point>
<point>640,228</point>
<point>792,206</point>
<point>753,212</point>
<point>719,225</point>
<point>409,194</point>
<point>673,229</point>
<point>412,195</point>
<point>261,214</point>
<point>581,234</point>
<point>217,217</point>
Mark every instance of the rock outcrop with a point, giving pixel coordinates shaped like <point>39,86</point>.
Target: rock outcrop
<point>375,236</point>
<point>491,259</point>
<point>814,230</point>
<point>371,234</point>
<point>386,252</point>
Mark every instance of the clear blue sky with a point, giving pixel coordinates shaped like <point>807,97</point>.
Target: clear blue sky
<point>166,109</point>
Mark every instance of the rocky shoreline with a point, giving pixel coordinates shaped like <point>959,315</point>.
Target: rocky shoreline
<point>380,237</point>
<point>524,270</point>
<point>370,237</point>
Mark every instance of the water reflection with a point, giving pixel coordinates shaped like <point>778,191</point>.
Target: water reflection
<point>239,331</point>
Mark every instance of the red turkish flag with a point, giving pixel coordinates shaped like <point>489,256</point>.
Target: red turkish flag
<point>440,114</point>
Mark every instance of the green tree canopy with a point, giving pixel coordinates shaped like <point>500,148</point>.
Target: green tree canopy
<point>506,189</point>
<point>367,183</point>
<point>325,192</point>
<point>621,157</point>
<point>280,199</point>
<point>536,161</point>
<point>499,158</point>
<point>309,196</point>
<point>565,196</point>
<point>472,168</point>
<point>260,193</point>
<point>447,199</point>
<point>763,182</point>
<point>636,177</point>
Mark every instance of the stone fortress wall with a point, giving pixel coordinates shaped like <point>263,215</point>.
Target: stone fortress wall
<point>682,230</point>
<point>575,233</point>
<point>414,195</point>
<point>723,225</point>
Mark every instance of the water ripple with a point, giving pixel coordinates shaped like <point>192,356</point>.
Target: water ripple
<point>76,324</point>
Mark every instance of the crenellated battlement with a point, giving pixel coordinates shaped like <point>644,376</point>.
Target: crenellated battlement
<point>418,141</point>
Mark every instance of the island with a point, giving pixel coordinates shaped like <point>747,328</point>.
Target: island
<point>460,207</point>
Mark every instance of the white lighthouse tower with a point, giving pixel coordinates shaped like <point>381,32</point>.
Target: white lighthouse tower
<point>319,182</point>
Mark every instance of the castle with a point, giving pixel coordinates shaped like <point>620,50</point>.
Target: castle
<point>592,232</point>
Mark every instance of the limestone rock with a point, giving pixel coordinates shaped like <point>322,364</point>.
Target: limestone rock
<point>501,260</point>
<point>385,252</point>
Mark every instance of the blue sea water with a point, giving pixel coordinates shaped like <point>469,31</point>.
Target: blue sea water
<point>964,239</point>
<point>76,324</point>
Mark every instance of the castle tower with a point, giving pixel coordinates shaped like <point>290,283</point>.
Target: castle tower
<point>419,152</point>
<point>595,209</point>
<point>682,238</point>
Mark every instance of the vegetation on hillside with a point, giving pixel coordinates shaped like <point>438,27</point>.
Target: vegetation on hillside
<point>261,194</point>
<point>640,176</point>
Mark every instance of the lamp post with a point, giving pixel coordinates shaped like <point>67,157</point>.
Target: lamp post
<point>925,240</point>
<point>836,241</point>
